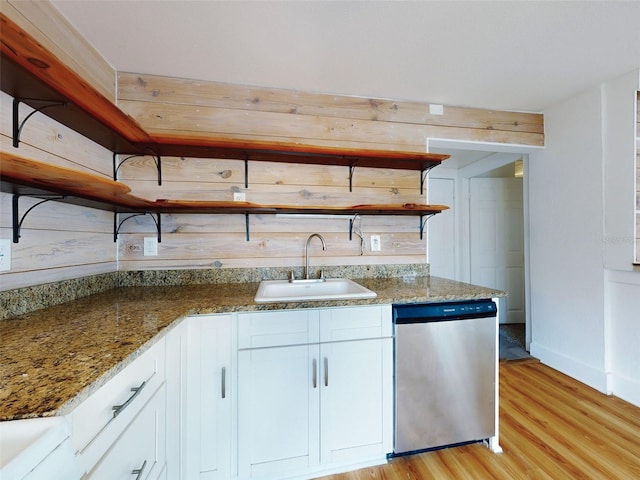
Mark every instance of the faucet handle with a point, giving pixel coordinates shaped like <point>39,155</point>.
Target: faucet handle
<point>322,275</point>
<point>292,276</point>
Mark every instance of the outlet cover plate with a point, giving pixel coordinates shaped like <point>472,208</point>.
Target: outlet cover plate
<point>5,254</point>
<point>150,247</point>
<point>375,243</point>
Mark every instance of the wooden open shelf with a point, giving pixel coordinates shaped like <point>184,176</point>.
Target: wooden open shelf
<point>22,176</point>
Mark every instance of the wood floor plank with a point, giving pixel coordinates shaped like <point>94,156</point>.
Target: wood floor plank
<point>551,427</point>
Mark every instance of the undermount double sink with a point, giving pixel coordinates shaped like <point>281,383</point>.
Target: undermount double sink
<point>310,290</point>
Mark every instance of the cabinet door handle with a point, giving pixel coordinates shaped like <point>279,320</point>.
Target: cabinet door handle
<point>326,371</point>
<point>223,387</point>
<point>117,409</point>
<point>138,471</point>
<point>315,373</point>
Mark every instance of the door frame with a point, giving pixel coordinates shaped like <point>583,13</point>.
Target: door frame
<point>498,155</point>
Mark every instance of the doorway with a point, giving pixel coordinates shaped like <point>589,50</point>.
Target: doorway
<point>459,251</point>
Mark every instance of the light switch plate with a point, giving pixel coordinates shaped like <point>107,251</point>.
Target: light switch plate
<point>5,254</point>
<point>150,247</point>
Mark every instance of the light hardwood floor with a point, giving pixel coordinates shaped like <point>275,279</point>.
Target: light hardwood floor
<point>551,427</point>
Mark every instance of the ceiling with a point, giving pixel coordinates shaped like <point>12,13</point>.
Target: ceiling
<point>508,55</point>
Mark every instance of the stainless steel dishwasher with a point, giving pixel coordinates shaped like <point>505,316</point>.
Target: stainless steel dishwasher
<point>445,374</point>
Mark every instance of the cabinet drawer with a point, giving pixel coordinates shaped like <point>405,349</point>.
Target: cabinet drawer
<point>96,422</point>
<point>139,453</point>
<point>277,328</point>
<point>355,323</point>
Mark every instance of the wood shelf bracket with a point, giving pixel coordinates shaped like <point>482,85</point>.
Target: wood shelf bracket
<point>18,220</point>
<point>116,225</point>
<point>423,222</point>
<point>156,159</point>
<point>18,125</point>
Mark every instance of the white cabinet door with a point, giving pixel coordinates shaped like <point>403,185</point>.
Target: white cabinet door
<point>278,410</point>
<point>356,400</point>
<point>209,386</point>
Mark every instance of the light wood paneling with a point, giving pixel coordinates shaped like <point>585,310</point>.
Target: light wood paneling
<point>51,29</point>
<point>166,90</point>
<point>173,108</point>
<point>189,121</point>
<point>552,427</point>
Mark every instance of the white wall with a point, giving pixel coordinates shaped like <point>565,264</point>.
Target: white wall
<point>622,293</point>
<point>566,224</point>
<point>579,316</point>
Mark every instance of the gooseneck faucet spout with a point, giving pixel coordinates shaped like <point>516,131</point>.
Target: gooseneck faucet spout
<point>306,252</point>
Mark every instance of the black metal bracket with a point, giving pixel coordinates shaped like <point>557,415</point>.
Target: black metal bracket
<point>246,226</point>
<point>17,220</point>
<point>352,222</point>
<point>423,177</point>
<point>423,222</point>
<point>116,225</point>
<point>156,159</point>
<point>352,230</point>
<point>17,125</point>
<point>351,170</point>
<point>246,171</point>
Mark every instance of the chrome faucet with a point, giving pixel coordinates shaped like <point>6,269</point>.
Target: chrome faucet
<point>306,253</point>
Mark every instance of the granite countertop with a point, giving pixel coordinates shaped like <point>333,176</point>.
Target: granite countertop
<point>54,358</point>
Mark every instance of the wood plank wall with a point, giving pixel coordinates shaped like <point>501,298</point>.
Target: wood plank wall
<point>58,241</point>
<point>173,107</point>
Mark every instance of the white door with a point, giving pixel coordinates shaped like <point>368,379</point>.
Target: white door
<point>278,410</point>
<point>497,240</point>
<point>208,410</point>
<point>355,378</point>
<point>442,233</point>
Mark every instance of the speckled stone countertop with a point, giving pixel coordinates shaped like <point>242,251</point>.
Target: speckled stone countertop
<point>54,358</point>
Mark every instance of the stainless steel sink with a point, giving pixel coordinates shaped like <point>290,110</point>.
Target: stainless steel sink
<point>306,290</point>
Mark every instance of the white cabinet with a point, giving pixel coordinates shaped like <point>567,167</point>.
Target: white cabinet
<point>104,420</point>
<point>314,390</point>
<point>209,384</point>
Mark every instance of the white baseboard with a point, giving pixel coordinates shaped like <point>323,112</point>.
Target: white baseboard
<point>625,388</point>
<point>586,374</point>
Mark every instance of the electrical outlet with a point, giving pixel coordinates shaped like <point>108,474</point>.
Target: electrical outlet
<point>150,246</point>
<point>239,197</point>
<point>5,254</point>
<point>376,246</point>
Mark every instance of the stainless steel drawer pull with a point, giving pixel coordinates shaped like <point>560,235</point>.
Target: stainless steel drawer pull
<point>138,471</point>
<point>315,373</point>
<point>224,382</point>
<point>117,409</point>
<point>326,372</point>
